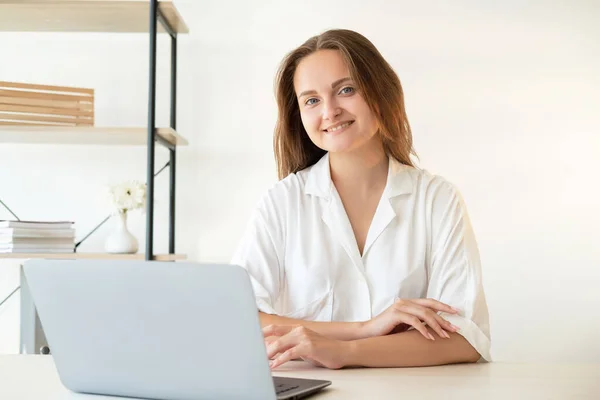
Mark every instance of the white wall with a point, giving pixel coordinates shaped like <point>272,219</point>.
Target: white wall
<point>502,99</point>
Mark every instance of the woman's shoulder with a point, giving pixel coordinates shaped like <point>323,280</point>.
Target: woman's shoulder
<point>431,186</point>
<point>284,192</point>
<point>290,186</point>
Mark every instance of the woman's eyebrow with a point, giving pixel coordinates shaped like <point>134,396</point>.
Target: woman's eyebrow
<point>333,85</point>
<point>340,81</point>
<point>307,92</point>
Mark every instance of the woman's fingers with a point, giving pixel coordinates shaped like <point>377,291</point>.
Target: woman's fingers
<point>446,324</point>
<point>289,355</point>
<point>270,339</point>
<point>416,323</point>
<point>422,314</point>
<point>435,305</point>
<point>283,343</point>
<point>425,314</point>
<point>276,330</point>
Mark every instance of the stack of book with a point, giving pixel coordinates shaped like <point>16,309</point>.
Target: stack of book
<point>37,237</point>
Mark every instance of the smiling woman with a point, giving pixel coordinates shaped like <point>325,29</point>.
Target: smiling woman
<point>354,66</point>
<point>356,256</point>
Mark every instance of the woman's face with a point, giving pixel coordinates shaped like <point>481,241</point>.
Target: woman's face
<point>335,115</point>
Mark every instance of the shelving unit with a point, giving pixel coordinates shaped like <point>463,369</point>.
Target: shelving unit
<point>108,16</point>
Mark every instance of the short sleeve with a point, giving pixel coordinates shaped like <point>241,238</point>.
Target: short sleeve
<point>260,253</point>
<point>455,276</point>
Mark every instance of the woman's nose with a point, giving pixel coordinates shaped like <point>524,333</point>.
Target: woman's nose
<point>331,110</point>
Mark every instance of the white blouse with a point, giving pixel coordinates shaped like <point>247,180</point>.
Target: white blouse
<point>303,260</point>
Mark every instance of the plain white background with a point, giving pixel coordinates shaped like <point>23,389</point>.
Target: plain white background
<point>502,99</point>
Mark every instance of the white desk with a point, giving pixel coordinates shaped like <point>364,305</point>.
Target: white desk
<point>33,377</point>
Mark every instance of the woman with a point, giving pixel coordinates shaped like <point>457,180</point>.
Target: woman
<point>357,257</point>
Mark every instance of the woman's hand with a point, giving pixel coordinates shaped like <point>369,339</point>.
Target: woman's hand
<point>405,313</point>
<point>285,343</point>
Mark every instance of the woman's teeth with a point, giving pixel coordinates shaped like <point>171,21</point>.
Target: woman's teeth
<point>337,128</point>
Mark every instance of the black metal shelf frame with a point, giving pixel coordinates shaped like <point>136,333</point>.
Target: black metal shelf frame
<point>155,17</point>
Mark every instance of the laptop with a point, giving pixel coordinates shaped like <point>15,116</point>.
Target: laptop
<point>156,330</point>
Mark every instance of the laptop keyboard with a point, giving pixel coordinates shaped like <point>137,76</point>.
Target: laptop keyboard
<point>283,387</point>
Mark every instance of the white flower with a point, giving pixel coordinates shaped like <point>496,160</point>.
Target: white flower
<point>127,196</point>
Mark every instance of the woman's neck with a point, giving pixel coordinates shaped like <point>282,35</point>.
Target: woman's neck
<point>360,171</point>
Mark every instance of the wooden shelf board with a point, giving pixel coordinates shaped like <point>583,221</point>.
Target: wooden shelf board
<point>92,256</point>
<point>84,135</point>
<point>121,16</point>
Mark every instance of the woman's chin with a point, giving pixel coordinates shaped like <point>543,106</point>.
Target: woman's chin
<point>338,145</point>
<point>342,147</point>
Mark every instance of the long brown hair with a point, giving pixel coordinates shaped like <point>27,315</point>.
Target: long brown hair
<point>377,82</point>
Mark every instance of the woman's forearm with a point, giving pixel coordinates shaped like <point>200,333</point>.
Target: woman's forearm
<point>333,330</point>
<point>410,349</point>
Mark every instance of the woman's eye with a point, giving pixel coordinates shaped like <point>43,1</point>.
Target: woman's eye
<point>347,90</point>
<point>310,101</point>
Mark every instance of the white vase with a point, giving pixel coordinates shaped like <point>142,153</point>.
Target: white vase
<point>121,241</point>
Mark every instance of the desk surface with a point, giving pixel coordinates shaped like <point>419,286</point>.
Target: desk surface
<point>34,377</point>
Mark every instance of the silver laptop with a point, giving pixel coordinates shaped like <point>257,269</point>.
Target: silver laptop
<point>156,330</point>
